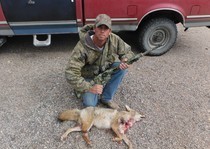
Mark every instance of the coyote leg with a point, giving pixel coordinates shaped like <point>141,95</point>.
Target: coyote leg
<point>86,138</point>
<point>86,125</point>
<point>128,142</point>
<point>64,136</point>
<point>121,136</point>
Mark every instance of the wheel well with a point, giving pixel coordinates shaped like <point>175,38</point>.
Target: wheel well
<point>175,16</point>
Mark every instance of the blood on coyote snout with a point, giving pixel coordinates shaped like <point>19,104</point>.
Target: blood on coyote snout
<point>102,118</point>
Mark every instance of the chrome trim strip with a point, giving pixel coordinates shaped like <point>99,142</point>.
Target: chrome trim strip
<point>124,19</point>
<point>69,22</point>
<point>120,28</point>
<point>3,22</point>
<point>198,16</point>
<point>79,20</point>
<point>116,19</point>
<point>123,27</point>
<point>197,24</point>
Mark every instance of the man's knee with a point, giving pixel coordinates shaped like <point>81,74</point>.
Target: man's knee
<point>90,100</point>
<point>89,104</point>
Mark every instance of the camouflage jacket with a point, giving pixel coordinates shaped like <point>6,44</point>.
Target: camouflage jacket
<point>87,61</point>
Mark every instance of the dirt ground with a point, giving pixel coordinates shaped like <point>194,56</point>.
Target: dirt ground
<point>172,90</point>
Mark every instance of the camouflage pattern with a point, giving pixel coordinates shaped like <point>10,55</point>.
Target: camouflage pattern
<point>87,61</point>
<point>103,19</point>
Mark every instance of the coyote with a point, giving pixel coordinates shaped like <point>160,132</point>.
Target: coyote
<point>102,118</point>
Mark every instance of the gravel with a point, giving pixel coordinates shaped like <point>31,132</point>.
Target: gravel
<point>172,90</point>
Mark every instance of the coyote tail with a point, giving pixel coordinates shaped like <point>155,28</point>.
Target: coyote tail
<point>69,115</point>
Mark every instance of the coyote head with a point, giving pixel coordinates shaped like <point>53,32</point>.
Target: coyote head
<point>128,118</point>
<point>135,116</point>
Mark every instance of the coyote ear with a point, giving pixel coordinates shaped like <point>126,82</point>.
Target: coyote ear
<point>128,108</point>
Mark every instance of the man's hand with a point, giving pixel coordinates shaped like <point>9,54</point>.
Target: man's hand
<point>123,65</point>
<point>96,89</point>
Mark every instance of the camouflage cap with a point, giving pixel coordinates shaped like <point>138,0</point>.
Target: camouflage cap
<point>103,19</point>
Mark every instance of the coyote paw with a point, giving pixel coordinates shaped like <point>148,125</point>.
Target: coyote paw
<point>89,144</point>
<point>118,140</point>
<point>63,137</point>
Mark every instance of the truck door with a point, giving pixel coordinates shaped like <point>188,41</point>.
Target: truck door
<point>124,13</point>
<point>40,16</point>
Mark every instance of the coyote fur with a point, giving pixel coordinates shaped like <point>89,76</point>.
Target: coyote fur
<point>102,118</point>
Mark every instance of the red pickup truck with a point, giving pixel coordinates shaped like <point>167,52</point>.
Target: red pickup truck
<point>153,20</point>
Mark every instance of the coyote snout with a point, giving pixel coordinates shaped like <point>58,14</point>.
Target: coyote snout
<point>102,118</point>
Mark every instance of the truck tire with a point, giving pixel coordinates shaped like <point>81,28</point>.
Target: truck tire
<point>158,31</point>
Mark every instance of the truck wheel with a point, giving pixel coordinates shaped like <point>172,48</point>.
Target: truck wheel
<point>155,32</point>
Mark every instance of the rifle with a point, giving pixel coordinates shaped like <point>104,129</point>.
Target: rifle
<point>105,76</point>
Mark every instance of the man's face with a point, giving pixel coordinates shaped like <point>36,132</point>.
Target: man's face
<point>102,32</point>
